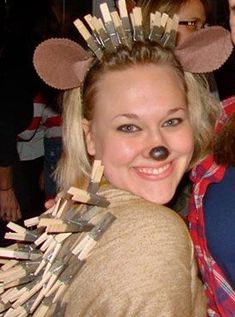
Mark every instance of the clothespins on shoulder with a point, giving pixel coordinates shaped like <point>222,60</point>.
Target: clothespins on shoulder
<point>96,176</point>
<point>20,233</point>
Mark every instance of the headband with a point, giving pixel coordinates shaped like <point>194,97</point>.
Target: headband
<point>63,63</point>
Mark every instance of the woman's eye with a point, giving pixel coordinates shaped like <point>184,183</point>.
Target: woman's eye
<point>129,128</point>
<point>172,122</point>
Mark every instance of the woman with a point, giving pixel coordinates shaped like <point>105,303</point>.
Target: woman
<point>141,114</point>
<point>144,137</point>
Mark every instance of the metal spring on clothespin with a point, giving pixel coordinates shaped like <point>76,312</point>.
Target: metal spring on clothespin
<point>117,29</point>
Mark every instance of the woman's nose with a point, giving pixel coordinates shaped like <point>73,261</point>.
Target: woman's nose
<point>159,153</point>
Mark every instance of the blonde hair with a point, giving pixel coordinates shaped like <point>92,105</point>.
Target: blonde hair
<point>204,110</point>
<point>75,162</point>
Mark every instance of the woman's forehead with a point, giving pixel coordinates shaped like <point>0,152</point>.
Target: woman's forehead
<point>140,86</point>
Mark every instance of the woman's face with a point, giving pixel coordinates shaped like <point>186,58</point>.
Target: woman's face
<point>136,110</point>
<point>192,17</point>
<point>232,18</point>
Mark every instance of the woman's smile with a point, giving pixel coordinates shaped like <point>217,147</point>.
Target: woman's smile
<point>151,173</point>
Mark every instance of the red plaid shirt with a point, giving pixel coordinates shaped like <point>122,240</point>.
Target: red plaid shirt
<point>220,293</point>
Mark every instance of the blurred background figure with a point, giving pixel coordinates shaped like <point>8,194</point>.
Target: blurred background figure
<point>193,14</point>
<point>212,213</point>
<point>30,137</point>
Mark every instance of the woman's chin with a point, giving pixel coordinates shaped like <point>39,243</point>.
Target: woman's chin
<point>158,198</point>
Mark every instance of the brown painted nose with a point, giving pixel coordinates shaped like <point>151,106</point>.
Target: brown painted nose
<point>159,153</point>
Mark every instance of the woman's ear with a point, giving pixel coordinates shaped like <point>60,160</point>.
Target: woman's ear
<point>89,137</point>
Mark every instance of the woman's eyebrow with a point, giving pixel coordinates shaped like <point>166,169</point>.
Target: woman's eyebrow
<point>176,110</point>
<point>127,115</point>
<point>135,116</point>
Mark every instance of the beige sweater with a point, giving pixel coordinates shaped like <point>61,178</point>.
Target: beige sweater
<point>142,266</point>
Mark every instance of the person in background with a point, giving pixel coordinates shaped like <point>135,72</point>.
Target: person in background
<point>212,211</point>
<point>192,14</point>
<point>39,148</point>
<point>25,24</point>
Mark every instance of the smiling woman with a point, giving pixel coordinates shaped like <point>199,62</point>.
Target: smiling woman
<point>136,103</point>
<point>136,108</point>
<point>134,115</point>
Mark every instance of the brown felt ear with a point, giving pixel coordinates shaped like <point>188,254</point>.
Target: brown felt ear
<point>61,63</point>
<point>205,50</point>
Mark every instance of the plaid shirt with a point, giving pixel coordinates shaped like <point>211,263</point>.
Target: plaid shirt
<point>220,293</point>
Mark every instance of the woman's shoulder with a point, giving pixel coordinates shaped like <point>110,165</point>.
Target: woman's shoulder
<point>128,207</point>
<point>130,264</point>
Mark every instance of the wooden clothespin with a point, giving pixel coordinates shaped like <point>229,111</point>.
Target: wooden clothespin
<point>137,24</point>
<point>88,38</point>
<point>20,234</point>
<point>156,28</point>
<point>83,196</point>
<point>125,21</point>
<point>109,25</point>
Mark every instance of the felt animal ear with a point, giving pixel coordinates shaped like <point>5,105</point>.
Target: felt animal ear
<point>61,63</point>
<point>205,50</point>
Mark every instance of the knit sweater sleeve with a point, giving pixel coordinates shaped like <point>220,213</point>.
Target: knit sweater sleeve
<point>143,266</point>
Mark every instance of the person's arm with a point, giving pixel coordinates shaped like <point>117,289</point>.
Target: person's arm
<point>9,207</point>
<point>15,114</point>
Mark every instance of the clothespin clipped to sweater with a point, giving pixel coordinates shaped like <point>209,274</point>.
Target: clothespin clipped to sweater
<point>37,270</point>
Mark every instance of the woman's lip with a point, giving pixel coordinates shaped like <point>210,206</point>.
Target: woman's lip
<point>153,172</point>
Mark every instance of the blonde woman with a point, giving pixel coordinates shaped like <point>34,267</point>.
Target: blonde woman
<point>137,118</point>
<point>148,120</point>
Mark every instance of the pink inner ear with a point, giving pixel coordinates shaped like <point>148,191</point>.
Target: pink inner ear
<point>205,50</point>
<point>61,63</point>
<point>80,68</point>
